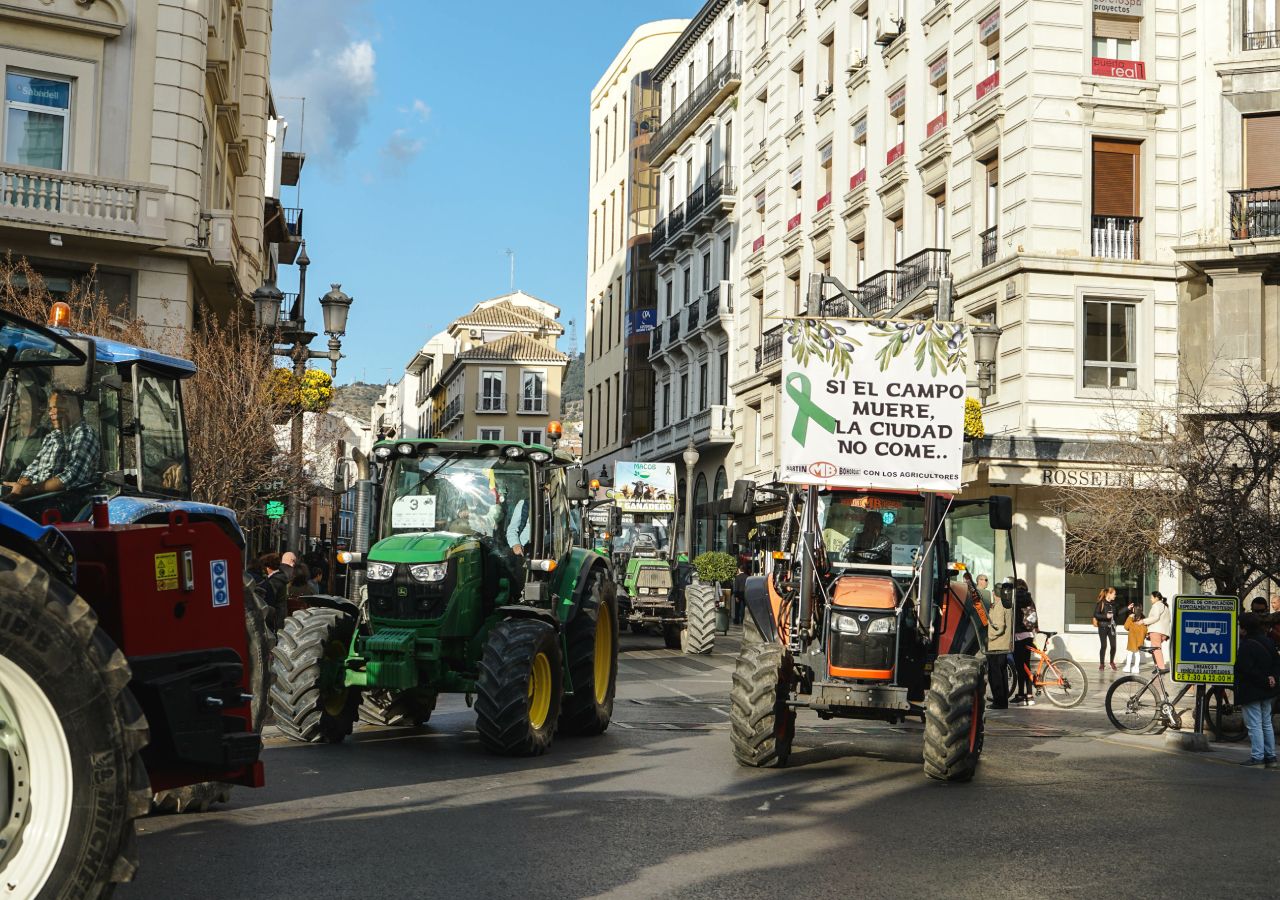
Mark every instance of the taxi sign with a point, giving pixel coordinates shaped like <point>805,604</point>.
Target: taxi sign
<point>1204,639</point>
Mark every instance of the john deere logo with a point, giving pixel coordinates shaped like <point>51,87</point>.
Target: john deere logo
<point>822,469</point>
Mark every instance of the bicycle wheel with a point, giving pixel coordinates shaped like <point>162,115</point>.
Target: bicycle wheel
<point>1132,705</point>
<point>1063,682</point>
<point>1223,716</point>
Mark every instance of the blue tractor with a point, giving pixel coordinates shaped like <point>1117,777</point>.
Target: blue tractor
<point>132,657</point>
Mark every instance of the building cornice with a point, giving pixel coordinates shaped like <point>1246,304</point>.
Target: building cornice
<point>694,30</point>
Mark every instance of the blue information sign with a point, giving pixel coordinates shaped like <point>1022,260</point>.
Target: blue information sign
<point>1204,639</point>
<point>640,321</point>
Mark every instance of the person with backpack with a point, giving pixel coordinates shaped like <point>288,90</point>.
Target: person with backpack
<point>1024,635</point>
<point>1104,619</point>
<point>1256,669</point>
<point>999,643</point>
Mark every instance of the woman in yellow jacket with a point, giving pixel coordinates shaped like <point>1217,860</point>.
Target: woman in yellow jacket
<point>1137,637</point>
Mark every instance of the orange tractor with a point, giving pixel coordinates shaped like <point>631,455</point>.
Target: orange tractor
<point>862,618</point>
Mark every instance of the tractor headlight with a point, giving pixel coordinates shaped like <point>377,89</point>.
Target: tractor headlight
<point>382,453</point>
<point>887,625</point>
<point>379,571</point>
<point>846,625</point>
<point>539,456</point>
<point>429,573</point>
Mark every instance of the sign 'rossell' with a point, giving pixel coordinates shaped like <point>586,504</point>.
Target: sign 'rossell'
<point>874,404</point>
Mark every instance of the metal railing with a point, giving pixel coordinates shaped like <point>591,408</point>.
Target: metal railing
<point>286,306</point>
<point>293,221</point>
<point>835,307</point>
<point>491,402</point>
<point>727,70</point>
<point>673,328</point>
<point>720,184</point>
<point>695,201</point>
<point>659,236</point>
<point>1255,213</point>
<point>921,272</point>
<point>675,221</point>
<point>1116,237</point>
<point>1262,40</point>
<point>770,349</point>
<point>536,404</point>
<point>655,340</point>
<point>878,291</point>
<point>449,414</point>
<point>713,303</point>
<point>691,313</point>
<point>989,241</point>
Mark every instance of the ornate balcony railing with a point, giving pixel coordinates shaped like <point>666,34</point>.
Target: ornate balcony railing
<point>1262,40</point>
<point>692,312</point>
<point>770,349</point>
<point>673,329</point>
<point>72,200</point>
<point>878,292</point>
<point>713,303</point>
<point>655,340</point>
<point>720,184</point>
<point>491,403</point>
<point>989,240</point>
<point>1255,213</point>
<point>726,71</point>
<point>1116,237</point>
<point>921,272</point>
<point>533,403</point>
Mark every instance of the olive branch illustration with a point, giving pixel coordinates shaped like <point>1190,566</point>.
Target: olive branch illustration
<point>939,344</point>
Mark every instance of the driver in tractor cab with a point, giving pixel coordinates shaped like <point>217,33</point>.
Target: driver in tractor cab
<point>69,455</point>
<point>872,545</point>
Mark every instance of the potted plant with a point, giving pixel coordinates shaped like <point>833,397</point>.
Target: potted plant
<point>716,568</point>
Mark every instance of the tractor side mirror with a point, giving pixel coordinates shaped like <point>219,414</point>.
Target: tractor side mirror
<point>576,488</point>
<point>743,501</point>
<point>74,379</point>
<point>1000,513</point>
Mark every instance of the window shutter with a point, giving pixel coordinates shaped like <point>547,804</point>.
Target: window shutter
<point>1115,178</point>
<point>1124,29</point>
<point>1262,151</point>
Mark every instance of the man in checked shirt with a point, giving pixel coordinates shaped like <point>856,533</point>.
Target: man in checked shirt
<point>68,457</point>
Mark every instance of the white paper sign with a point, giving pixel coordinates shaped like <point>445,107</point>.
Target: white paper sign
<point>874,404</point>
<point>415,512</point>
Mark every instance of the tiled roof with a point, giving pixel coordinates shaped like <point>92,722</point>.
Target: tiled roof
<point>516,347</point>
<point>508,315</point>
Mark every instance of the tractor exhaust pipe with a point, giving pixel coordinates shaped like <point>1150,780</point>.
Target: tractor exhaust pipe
<point>360,528</point>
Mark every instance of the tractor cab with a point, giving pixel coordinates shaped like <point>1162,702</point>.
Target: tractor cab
<point>111,425</point>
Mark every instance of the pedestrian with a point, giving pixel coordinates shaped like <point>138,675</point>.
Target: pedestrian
<point>1137,637</point>
<point>1025,619</point>
<point>740,592</point>
<point>1256,671</point>
<point>1258,606</point>
<point>999,643</point>
<point>984,591</point>
<point>1160,625</point>
<point>1104,619</point>
<point>1275,603</point>
<point>300,587</point>
<point>276,585</point>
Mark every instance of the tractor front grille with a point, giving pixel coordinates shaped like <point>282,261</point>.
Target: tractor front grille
<point>405,598</point>
<point>862,650</point>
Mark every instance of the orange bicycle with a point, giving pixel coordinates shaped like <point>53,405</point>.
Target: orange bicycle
<point>1057,678</point>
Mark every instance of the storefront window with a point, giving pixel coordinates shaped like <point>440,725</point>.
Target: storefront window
<point>1083,585</point>
<point>722,520</point>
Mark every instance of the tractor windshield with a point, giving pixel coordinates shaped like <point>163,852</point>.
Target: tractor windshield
<point>861,529</point>
<point>641,536</point>
<point>489,496</point>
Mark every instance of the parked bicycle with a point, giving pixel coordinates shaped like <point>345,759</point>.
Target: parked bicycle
<point>1058,679</point>
<point>1139,704</point>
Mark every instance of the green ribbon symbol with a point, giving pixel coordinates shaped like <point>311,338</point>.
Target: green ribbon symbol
<point>799,389</point>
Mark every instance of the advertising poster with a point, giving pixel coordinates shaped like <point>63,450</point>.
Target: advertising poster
<point>644,487</point>
<point>874,404</point>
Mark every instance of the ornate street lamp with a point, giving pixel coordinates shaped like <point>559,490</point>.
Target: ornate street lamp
<point>986,337</point>
<point>266,305</point>
<point>690,457</point>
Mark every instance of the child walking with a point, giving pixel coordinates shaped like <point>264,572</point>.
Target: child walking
<point>1137,637</point>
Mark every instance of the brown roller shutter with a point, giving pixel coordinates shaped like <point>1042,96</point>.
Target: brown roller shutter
<point>1115,178</point>
<point>1262,151</point>
<point>1125,28</point>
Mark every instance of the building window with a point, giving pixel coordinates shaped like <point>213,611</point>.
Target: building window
<point>896,237</point>
<point>859,162</point>
<point>897,125</point>
<point>702,385</point>
<point>938,79</point>
<point>797,89</point>
<point>666,403</point>
<point>684,396</point>
<point>795,300</point>
<point>688,283</point>
<point>858,260</point>
<point>1116,52</point>
<point>492,396</point>
<point>1110,337</point>
<point>861,34</point>
<point>531,436</point>
<point>827,50</point>
<point>824,164</point>
<point>724,379</point>
<point>726,258</point>
<point>991,232</point>
<point>706,271</point>
<point>1116,199</point>
<point>989,53</point>
<point>490,434</point>
<point>533,397</point>
<point>36,121</point>
<point>939,203</point>
<point>796,180</point>
<point>757,436</point>
<point>1261,25</point>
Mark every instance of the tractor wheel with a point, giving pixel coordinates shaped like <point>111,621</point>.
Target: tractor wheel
<point>700,617</point>
<point>762,726</point>
<point>70,741</point>
<point>198,798</point>
<point>592,647</point>
<point>308,698</point>
<point>394,709</point>
<point>953,718</point>
<point>519,690</point>
<point>673,635</point>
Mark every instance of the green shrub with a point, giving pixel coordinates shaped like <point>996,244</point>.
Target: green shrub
<point>715,567</point>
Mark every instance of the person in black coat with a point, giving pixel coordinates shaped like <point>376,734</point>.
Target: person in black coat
<point>1256,669</point>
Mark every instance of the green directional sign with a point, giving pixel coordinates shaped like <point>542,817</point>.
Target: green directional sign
<point>274,509</point>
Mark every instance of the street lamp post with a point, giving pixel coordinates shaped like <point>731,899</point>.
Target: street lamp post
<point>291,340</point>
<point>986,337</point>
<point>690,457</point>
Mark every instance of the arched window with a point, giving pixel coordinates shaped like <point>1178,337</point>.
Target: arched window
<point>682,497</point>
<point>722,520</point>
<point>700,515</point>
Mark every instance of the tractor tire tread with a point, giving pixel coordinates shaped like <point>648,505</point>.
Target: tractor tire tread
<point>755,704</point>
<point>580,714</point>
<point>502,689</point>
<point>700,618</point>
<point>957,689</point>
<point>295,694</point>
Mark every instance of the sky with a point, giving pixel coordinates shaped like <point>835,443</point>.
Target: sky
<point>437,139</point>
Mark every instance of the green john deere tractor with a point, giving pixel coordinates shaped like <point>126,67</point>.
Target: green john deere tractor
<point>475,585</point>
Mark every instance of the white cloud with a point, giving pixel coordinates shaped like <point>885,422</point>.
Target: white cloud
<point>421,110</point>
<point>400,150</point>
<point>319,54</point>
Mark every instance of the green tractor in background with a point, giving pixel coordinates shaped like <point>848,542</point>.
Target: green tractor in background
<point>475,585</point>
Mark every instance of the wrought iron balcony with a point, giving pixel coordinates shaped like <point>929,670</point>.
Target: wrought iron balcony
<point>57,200</point>
<point>673,329</point>
<point>720,184</point>
<point>727,73</point>
<point>491,403</point>
<point>921,272</point>
<point>692,313</point>
<point>1262,40</point>
<point>655,340</point>
<point>659,236</point>
<point>1255,213</point>
<point>675,221</point>
<point>989,240</point>
<point>770,350</point>
<point>696,200</point>
<point>533,403</point>
<point>712,300</point>
<point>879,292</point>
<point>1116,237</point>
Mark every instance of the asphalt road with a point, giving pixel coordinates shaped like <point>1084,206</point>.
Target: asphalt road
<point>1061,806</point>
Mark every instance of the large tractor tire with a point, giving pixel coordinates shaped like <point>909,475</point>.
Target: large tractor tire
<point>700,617</point>
<point>520,688</point>
<point>953,718</point>
<point>762,726</point>
<point>70,743</point>
<point>395,709</point>
<point>198,798</point>
<point>592,647</point>
<point>308,699</point>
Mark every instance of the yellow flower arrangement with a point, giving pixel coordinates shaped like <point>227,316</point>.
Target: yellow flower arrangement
<point>973,428</point>
<point>312,393</point>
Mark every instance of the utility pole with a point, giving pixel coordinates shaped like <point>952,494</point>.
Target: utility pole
<point>511,256</point>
